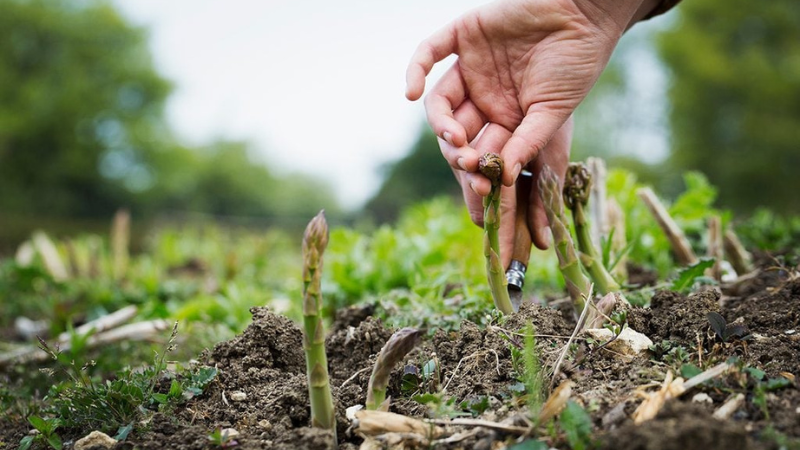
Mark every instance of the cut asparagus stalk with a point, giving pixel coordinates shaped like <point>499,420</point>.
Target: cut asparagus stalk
<point>577,187</point>
<point>578,285</point>
<point>315,240</point>
<point>120,241</point>
<point>740,259</point>
<point>680,245</point>
<point>393,352</point>
<point>598,204</point>
<point>491,166</point>
<point>715,247</point>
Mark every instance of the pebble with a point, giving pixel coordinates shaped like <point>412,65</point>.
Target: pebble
<point>230,433</point>
<point>238,396</point>
<point>95,439</point>
<point>702,398</point>
<point>265,424</point>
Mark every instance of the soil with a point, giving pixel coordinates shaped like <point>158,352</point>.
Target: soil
<point>267,364</point>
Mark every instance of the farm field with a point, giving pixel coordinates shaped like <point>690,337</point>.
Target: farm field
<point>719,369</point>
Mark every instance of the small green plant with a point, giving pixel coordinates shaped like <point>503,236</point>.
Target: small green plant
<point>617,323</point>
<point>763,386</point>
<point>532,375</point>
<point>577,426</point>
<point>577,186</point>
<point>688,276</point>
<point>723,329</point>
<point>121,402</point>
<point>47,433</point>
<point>315,240</point>
<point>221,439</point>
<point>393,352</point>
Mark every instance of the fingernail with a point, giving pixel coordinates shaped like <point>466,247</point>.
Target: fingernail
<point>448,137</point>
<point>516,171</point>
<point>472,186</point>
<point>462,163</point>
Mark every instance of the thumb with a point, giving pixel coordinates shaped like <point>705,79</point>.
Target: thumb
<point>530,137</point>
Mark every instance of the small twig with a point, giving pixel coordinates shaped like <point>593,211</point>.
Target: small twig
<point>458,437</point>
<point>480,423</point>
<point>578,328</point>
<point>354,376</point>
<point>680,245</point>
<point>474,355</point>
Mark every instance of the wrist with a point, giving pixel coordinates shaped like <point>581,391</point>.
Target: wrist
<point>644,10</point>
<point>617,15</point>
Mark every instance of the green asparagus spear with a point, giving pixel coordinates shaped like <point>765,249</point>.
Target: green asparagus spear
<point>491,166</point>
<point>315,240</point>
<point>577,187</point>
<point>577,283</point>
<point>393,352</point>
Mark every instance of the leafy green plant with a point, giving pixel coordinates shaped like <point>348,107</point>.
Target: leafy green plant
<point>763,386</point>
<point>115,404</point>
<point>724,330</point>
<point>221,439</point>
<point>688,276</point>
<point>577,426</point>
<point>47,433</point>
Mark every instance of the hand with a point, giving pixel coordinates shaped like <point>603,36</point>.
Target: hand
<point>523,67</point>
<point>555,154</point>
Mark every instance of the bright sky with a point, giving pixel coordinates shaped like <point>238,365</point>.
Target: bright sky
<point>317,84</point>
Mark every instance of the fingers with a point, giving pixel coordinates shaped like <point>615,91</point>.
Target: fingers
<point>432,50</point>
<point>529,138</point>
<point>447,96</point>
<point>475,186</point>
<point>555,155</point>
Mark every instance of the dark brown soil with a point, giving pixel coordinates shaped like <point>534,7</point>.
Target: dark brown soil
<point>266,363</point>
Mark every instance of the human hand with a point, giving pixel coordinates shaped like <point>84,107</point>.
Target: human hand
<point>523,66</point>
<point>555,154</point>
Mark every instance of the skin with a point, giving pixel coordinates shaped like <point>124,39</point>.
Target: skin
<point>523,67</point>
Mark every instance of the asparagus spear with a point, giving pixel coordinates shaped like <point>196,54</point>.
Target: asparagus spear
<point>578,285</point>
<point>315,240</point>
<point>577,188</point>
<point>491,166</point>
<point>393,352</point>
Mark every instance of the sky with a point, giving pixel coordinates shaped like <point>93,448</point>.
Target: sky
<point>317,86</point>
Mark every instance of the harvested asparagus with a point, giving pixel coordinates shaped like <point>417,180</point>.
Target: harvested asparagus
<point>680,245</point>
<point>715,249</point>
<point>578,285</point>
<point>740,259</point>
<point>577,187</point>
<point>396,348</point>
<point>491,166</point>
<point>315,240</point>
<point>120,241</point>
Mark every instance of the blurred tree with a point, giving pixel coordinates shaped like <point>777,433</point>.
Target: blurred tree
<point>80,105</point>
<point>735,87</point>
<point>82,129</point>
<point>422,174</point>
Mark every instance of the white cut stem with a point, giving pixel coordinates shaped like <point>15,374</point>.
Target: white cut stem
<point>52,260</point>
<point>740,259</point>
<point>104,323</point>
<point>598,212</point>
<point>680,245</point>
<point>715,247</point>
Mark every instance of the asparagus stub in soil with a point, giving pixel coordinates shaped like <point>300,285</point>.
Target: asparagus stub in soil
<point>491,166</point>
<point>315,240</point>
<point>577,188</point>
<point>398,346</point>
<point>578,285</point>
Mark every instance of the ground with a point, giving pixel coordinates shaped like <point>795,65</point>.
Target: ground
<point>267,364</point>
